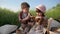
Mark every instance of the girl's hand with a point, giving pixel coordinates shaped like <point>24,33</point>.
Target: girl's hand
<point>50,20</point>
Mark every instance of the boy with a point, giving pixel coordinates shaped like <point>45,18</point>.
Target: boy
<point>24,17</point>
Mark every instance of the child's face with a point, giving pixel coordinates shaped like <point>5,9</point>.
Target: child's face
<point>25,10</point>
<point>39,13</point>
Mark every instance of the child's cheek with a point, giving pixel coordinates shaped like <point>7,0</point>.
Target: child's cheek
<point>23,10</point>
<point>39,14</point>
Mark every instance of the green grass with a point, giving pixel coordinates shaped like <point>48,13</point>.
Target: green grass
<point>9,17</point>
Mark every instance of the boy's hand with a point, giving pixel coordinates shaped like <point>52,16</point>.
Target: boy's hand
<point>22,21</point>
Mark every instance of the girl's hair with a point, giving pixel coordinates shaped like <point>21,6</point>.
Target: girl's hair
<point>25,5</point>
<point>37,10</point>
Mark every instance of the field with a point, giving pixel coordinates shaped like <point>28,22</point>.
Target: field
<point>10,17</point>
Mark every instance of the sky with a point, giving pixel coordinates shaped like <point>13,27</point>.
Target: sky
<point>14,5</point>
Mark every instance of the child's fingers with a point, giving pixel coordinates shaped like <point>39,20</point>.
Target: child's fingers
<point>50,20</point>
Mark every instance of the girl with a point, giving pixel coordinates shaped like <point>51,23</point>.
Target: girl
<point>41,20</point>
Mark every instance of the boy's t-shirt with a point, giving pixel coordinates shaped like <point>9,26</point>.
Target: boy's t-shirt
<point>24,15</point>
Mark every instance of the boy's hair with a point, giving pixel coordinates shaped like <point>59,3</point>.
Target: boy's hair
<point>25,5</point>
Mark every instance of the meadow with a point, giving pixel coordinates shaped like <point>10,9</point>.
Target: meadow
<point>9,17</point>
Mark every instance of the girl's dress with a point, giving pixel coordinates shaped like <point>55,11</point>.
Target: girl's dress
<point>37,29</point>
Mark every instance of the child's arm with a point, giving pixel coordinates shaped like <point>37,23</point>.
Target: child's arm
<point>49,22</point>
<point>19,17</point>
